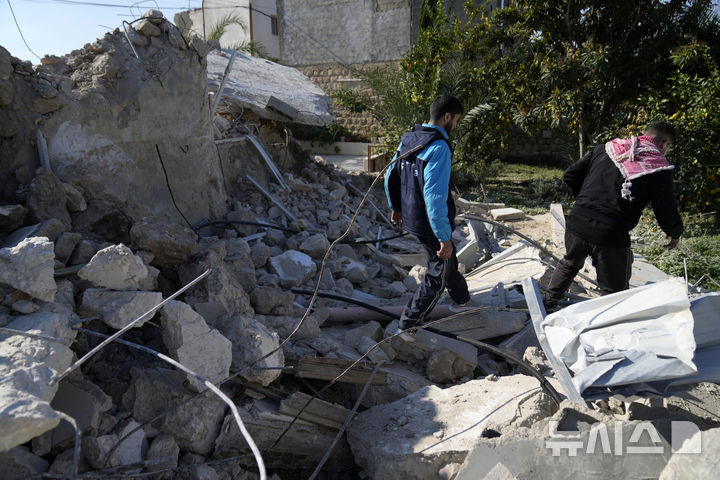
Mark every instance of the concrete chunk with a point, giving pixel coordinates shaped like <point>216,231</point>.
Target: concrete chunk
<point>194,425</point>
<point>292,267</point>
<point>169,242</point>
<point>315,245</point>
<point>252,340</point>
<point>115,268</point>
<point>501,214</point>
<point>27,366</point>
<point>119,308</point>
<point>192,343</point>
<point>30,266</point>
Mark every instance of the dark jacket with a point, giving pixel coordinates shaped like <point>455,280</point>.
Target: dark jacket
<point>601,215</point>
<point>408,192</point>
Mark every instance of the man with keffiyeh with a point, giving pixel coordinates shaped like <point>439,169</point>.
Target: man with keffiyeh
<point>612,185</point>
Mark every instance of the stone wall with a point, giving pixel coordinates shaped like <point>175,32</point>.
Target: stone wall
<point>332,77</point>
<point>316,32</point>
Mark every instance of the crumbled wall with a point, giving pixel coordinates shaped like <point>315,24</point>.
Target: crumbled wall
<point>105,115</point>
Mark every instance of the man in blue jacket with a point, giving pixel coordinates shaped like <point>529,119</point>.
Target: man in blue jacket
<point>418,192</point>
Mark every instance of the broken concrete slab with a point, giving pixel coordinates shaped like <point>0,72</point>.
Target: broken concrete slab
<point>401,382</point>
<point>252,81</point>
<point>571,443</point>
<point>354,271</point>
<point>115,268</point>
<point>28,367</point>
<point>419,435</point>
<point>292,267</point>
<point>170,242</point>
<point>119,308</point>
<point>194,425</point>
<point>193,344</point>
<point>695,457</point>
<point>30,266</point>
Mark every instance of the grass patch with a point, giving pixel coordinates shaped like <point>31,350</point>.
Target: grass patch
<point>531,188</point>
<point>699,248</point>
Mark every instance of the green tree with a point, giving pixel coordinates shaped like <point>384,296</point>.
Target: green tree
<point>690,99</point>
<point>246,46</point>
<point>572,65</point>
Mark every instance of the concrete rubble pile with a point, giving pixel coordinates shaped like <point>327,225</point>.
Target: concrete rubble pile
<point>120,187</point>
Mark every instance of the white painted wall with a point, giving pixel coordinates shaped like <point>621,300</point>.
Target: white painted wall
<point>215,10</point>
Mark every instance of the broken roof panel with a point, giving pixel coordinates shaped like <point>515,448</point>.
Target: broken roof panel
<point>651,339</point>
<point>252,83</point>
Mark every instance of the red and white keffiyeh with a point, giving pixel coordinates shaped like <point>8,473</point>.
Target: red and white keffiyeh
<point>635,157</point>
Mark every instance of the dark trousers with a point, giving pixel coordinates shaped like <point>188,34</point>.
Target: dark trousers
<point>613,266</point>
<point>440,274</point>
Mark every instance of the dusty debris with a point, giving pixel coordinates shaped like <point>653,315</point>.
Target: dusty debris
<point>141,189</point>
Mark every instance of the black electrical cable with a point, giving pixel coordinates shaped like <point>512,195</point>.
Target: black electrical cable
<point>507,355</point>
<point>290,230</point>
<point>298,291</point>
<point>172,197</point>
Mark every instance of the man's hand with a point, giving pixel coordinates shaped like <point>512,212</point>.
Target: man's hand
<point>445,250</point>
<point>672,243</point>
<point>396,219</point>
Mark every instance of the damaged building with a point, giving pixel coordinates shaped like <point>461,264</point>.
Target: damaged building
<point>186,293</point>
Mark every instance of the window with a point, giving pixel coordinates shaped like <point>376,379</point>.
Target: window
<point>273,25</point>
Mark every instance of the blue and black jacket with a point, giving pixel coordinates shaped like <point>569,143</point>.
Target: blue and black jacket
<point>418,186</point>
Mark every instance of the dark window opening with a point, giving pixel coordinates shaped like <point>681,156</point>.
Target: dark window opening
<point>274,25</point>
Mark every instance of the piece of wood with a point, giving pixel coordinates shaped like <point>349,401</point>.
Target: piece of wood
<point>322,368</point>
<point>537,314</point>
<point>318,411</point>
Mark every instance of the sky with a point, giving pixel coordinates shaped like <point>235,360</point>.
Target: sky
<point>59,26</point>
